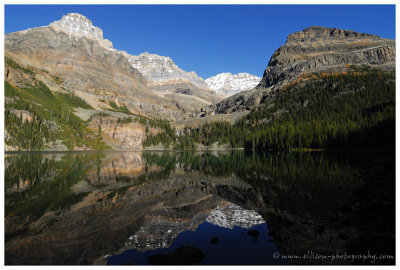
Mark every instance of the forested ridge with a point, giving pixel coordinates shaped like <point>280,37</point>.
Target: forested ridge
<point>353,109</point>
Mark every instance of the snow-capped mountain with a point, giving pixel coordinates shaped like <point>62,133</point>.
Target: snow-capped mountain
<point>226,84</point>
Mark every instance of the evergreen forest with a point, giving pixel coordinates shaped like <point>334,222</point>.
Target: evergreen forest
<point>347,110</point>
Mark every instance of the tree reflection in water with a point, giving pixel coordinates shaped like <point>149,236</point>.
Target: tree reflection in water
<point>155,207</point>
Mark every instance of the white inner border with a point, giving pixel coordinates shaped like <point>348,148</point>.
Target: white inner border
<point>183,2</point>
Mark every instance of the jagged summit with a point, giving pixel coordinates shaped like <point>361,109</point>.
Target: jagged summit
<point>77,25</point>
<point>320,32</point>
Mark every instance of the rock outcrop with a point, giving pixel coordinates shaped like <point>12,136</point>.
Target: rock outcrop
<point>226,84</point>
<point>314,49</point>
<point>121,136</point>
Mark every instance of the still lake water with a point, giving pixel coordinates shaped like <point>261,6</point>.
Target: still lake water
<point>202,208</point>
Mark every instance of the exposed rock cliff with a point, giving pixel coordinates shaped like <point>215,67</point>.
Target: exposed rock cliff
<point>120,136</point>
<point>314,49</point>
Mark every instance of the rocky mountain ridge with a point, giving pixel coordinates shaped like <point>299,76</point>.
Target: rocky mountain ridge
<point>159,69</point>
<point>226,84</point>
<point>164,76</point>
<point>314,49</point>
<point>75,51</point>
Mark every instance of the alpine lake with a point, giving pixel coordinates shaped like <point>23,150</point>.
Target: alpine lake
<point>199,208</point>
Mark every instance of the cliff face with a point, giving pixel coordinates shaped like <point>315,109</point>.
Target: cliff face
<point>314,49</point>
<point>119,136</point>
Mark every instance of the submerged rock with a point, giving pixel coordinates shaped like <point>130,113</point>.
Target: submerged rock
<point>253,233</point>
<point>214,240</point>
<point>184,255</point>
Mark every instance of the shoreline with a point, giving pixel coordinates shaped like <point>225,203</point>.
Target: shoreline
<point>117,150</point>
<point>195,150</point>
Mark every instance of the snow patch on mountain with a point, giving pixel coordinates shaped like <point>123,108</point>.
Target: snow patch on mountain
<point>226,84</point>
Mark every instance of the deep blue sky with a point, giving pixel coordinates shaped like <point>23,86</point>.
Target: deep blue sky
<point>209,39</point>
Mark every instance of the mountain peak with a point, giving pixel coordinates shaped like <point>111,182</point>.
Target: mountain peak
<point>76,17</point>
<point>77,25</point>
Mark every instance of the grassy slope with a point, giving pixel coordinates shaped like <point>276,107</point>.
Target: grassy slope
<point>48,108</point>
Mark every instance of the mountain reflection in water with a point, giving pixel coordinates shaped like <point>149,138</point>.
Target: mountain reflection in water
<point>197,207</point>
